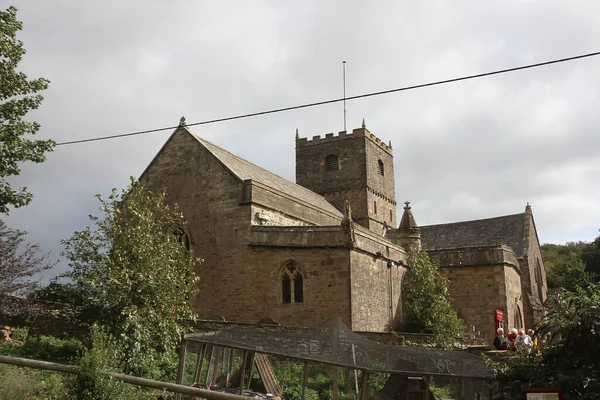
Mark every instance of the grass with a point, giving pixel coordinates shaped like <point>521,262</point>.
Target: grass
<point>24,383</point>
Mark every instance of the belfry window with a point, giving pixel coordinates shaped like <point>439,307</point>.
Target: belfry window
<point>381,167</point>
<point>292,284</point>
<point>331,163</point>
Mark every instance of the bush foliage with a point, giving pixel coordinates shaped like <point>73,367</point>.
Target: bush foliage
<point>429,309</point>
<point>572,361</point>
<point>133,274</point>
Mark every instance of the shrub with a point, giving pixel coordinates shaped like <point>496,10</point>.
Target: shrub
<point>92,382</point>
<point>20,334</point>
<point>429,307</point>
<point>49,348</point>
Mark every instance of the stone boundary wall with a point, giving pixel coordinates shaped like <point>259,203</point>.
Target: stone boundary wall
<point>56,323</point>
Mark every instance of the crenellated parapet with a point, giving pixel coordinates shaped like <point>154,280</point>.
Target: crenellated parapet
<point>343,135</point>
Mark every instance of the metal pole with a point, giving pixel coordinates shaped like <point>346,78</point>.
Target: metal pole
<point>344,68</point>
<point>355,372</point>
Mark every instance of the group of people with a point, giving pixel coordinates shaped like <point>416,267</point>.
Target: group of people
<point>515,340</point>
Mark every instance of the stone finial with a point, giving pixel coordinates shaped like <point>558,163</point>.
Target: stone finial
<point>364,125</point>
<point>182,121</point>
<point>407,223</point>
<point>390,144</point>
<point>409,235</point>
<point>297,135</point>
<point>528,208</point>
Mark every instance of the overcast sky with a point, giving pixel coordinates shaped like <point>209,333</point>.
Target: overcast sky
<point>468,150</point>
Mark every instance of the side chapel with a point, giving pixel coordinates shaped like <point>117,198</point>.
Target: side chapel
<point>330,245</point>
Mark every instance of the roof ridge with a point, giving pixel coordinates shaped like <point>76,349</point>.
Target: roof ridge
<point>473,220</point>
<point>202,140</point>
<point>269,180</point>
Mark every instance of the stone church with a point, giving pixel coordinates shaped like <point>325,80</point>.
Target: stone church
<point>330,245</point>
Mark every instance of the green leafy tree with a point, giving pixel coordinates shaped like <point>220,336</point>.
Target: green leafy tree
<point>567,264</point>
<point>18,96</point>
<point>134,275</point>
<point>572,360</point>
<point>429,309</point>
<point>568,275</point>
<point>591,257</point>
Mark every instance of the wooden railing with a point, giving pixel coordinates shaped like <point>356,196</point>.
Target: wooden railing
<point>133,380</point>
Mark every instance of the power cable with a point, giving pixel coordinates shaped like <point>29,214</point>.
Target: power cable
<point>320,103</point>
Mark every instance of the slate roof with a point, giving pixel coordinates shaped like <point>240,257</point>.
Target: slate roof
<point>507,230</point>
<point>244,170</point>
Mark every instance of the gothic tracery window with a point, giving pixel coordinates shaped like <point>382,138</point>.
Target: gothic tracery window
<point>292,284</point>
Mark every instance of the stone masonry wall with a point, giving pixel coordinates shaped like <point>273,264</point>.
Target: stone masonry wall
<point>358,179</point>
<point>242,282</point>
<point>295,210</point>
<point>274,217</point>
<point>482,279</point>
<point>534,285</point>
<point>513,314</point>
<point>476,292</point>
<point>209,198</point>
<point>310,164</point>
<point>376,293</point>
<point>258,293</point>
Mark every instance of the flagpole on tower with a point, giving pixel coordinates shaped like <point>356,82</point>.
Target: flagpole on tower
<point>344,70</point>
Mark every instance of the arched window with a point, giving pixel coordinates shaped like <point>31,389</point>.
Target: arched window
<point>331,163</point>
<point>381,167</point>
<point>292,284</point>
<point>518,318</point>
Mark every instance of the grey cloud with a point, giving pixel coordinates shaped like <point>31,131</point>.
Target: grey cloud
<point>462,151</point>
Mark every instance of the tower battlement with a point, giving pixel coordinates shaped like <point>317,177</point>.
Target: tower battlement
<point>343,135</point>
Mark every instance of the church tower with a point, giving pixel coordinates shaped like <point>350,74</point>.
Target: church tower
<point>357,167</point>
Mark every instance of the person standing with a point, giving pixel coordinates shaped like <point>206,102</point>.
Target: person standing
<point>500,340</point>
